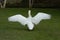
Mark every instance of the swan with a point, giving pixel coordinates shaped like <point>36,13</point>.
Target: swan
<point>29,21</point>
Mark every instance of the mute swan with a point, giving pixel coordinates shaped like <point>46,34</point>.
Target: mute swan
<point>30,21</point>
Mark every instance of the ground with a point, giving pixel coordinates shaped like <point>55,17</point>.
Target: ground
<point>45,30</point>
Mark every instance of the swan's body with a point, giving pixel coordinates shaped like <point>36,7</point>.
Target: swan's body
<point>30,21</point>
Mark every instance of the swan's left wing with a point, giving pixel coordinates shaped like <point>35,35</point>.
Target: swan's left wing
<point>18,18</point>
<point>40,16</point>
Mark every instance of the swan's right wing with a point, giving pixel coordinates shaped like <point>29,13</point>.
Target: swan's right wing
<point>40,16</point>
<point>18,18</point>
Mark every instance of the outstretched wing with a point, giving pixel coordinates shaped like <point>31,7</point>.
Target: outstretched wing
<point>40,16</point>
<point>18,18</point>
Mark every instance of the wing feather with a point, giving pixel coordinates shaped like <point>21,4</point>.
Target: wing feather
<point>36,19</point>
<point>18,18</point>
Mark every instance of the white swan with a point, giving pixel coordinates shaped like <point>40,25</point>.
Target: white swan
<point>30,21</point>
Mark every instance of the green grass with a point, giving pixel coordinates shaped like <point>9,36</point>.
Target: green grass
<point>45,30</point>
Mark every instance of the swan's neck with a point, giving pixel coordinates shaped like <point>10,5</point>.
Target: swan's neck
<point>29,13</point>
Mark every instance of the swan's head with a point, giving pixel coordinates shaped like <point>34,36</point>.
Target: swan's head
<point>29,13</point>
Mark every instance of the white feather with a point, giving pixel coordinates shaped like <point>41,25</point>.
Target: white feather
<point>30,21</point>
<point>39,17</point>
<point>18,18</point>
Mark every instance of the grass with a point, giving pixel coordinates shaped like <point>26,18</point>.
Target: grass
<point>45,30</point>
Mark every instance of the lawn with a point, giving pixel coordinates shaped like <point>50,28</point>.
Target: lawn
<point>45,30</point>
